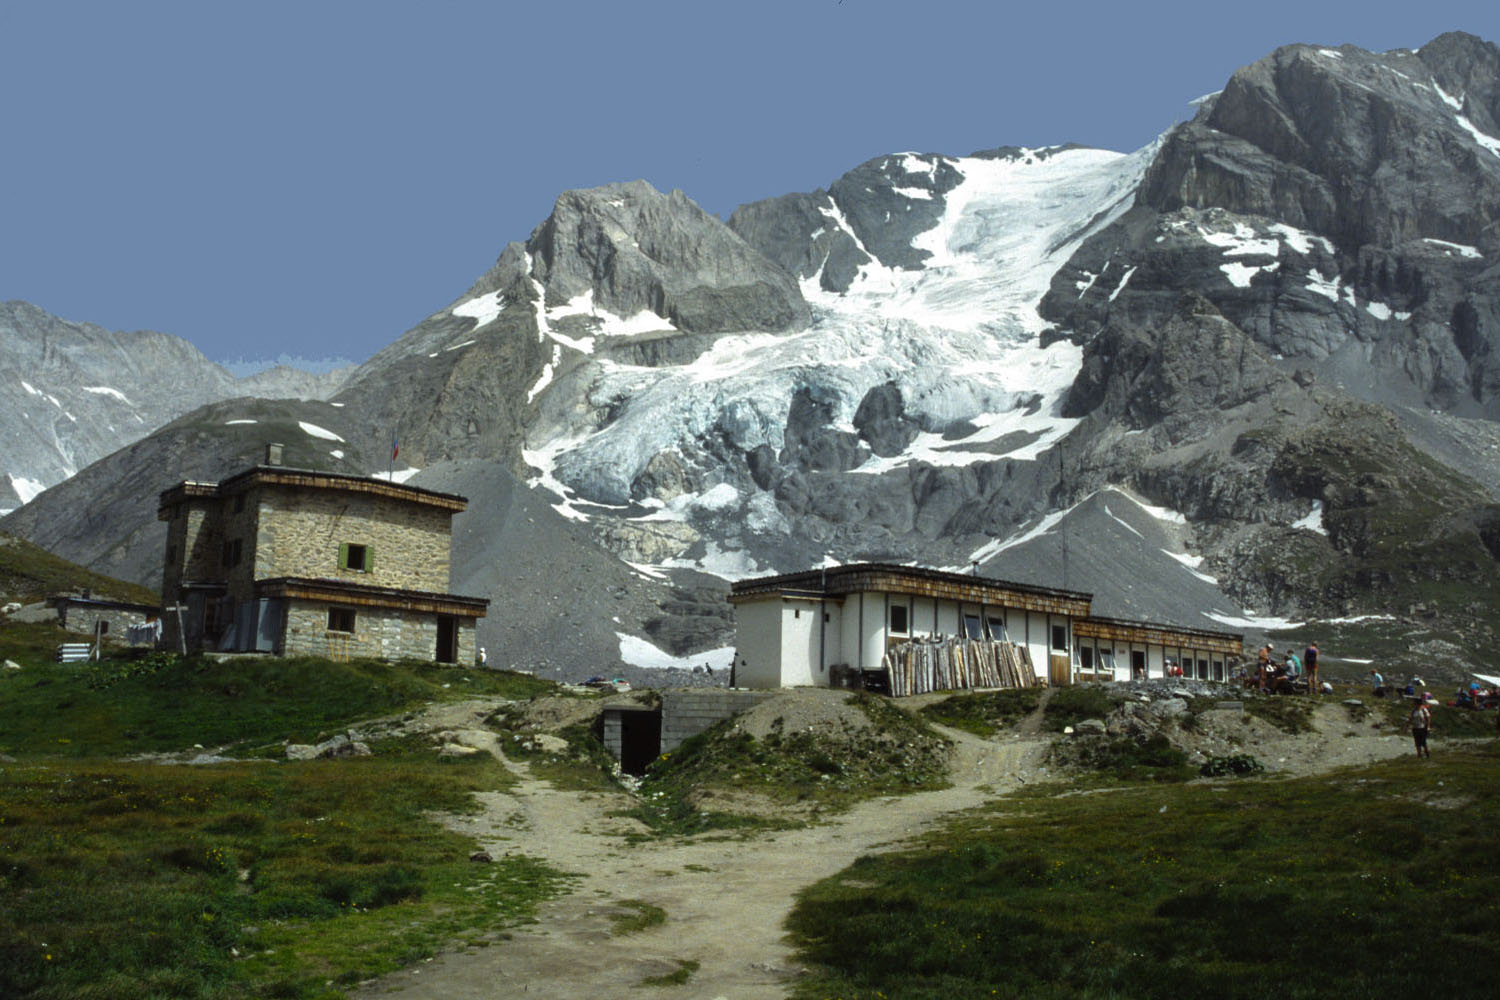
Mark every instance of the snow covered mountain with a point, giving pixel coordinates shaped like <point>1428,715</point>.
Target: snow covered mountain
<point>71,393</point>
<point>1243,375</point>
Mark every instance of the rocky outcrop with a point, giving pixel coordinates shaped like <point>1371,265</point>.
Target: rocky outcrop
<point>1342,207</point>
<point>874,212</point>
<point>633,250</point>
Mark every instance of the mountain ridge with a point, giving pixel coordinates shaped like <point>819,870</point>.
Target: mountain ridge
<point>1266,325</point>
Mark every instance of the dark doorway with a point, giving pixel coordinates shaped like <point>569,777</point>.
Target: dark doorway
<point>447,639</point>
<point>640,739</point>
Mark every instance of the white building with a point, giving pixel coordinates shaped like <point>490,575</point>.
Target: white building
<point>807,629</point>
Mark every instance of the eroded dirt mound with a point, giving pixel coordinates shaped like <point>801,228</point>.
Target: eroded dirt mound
<point>819,711</point>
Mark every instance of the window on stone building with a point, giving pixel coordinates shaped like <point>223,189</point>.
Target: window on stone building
<point>341,619</point>
<point>232,552</point>
<point>239,502</point>
<point>356,557</point>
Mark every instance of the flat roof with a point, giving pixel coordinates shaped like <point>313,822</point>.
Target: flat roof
<point>859,577</point>
<point>1157,633</point>
<point>278,475</point>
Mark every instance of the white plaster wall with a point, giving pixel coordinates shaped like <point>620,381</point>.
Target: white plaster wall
<point>799,644</point>
<point>758,643</point>
<point>1038,642</point>
<point>833,635</point>
<point>1156,665</point>
<point>849,632</point>
<point>948,620</point>
<point>923,616</point>
<point>874,630</point>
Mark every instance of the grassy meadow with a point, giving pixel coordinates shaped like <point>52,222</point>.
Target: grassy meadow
<point>1369,882</point>
<point>126,878</point>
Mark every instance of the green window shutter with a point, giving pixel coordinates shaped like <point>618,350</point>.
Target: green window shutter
<point>369,558</point>
<point>343,555</point>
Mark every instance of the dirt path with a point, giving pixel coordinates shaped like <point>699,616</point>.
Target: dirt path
<point>725,900</point>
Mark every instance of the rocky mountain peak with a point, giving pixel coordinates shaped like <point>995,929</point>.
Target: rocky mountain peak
<point>633,249</point>
<point>1357,146</point>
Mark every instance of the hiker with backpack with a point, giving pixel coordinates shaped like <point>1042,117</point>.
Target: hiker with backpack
<point>1421,727</point>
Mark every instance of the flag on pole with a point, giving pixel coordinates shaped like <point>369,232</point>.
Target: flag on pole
<point>395,447</point>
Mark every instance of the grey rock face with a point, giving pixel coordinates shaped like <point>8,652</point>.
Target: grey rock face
<point>1340,206</point>
<point>881,421</point>
<point>797,232</point>
<point>874,211</point>
<point>637,250</point>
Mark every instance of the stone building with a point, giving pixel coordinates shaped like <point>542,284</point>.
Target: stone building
<point>293,562</point>
<point>810,629</point>
<point>117,622</point>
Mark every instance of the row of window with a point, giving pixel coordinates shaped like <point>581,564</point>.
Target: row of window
<point>1192,664</point>
<point>975,627</point>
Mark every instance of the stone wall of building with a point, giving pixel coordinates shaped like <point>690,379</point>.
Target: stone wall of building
<point>301,531</point>
<point>194,545</point>
<point>379,633</point>
<point>82,618</point>
<point>685,714</point>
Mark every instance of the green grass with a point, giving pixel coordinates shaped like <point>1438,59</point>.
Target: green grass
<point>124,879</point>
<point>686,967</point>
<point>639,915</point>
<point>1289,713</point>
<point>127,880</point>
<point>1071,705</point>
<point>984,714</point>
<point>29,573</point>
<point>1362,883</point>
<point>1125,758</point>
<point>161,702</point>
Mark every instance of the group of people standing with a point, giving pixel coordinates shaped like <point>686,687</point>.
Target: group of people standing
<point>1283,676</point>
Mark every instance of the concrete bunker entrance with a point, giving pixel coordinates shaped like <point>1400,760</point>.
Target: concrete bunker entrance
<point>632,734</point>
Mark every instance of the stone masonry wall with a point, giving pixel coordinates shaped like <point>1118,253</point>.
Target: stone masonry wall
<point>379,633</point>
<point>301,532</point>
<point>82,619</point>
<point>198,544</point>
<point>685,714</point>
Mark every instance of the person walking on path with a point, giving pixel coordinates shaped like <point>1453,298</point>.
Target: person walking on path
<point>1310,664</point>
<point>1421,728</point>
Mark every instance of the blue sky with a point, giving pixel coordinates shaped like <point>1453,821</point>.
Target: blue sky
<point>312,179</point>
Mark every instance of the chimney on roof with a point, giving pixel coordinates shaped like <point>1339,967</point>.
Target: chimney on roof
<point>273,453</point>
